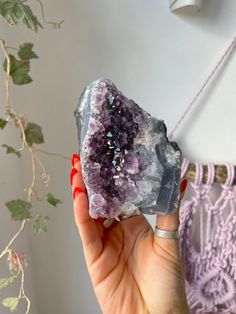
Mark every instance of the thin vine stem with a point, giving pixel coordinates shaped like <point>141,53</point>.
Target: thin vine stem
<point>22,294</point>
<point>7,77</point>
<point>13,48</point>
<point>13,239</point>
<point>53,24</point>
<point>52,154</point>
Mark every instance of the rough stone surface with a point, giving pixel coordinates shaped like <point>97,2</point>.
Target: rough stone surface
<point>128,164</point>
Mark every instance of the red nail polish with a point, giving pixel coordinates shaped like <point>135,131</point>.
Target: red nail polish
<point>77,190</point>
<point>74,159</point>
<point>72,173</point>
<point>183,186</point>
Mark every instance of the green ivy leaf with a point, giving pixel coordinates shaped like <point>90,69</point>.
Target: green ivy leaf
<point>33,133</point>
<point>11,150</point>
<point>25,51</point>
<point>19,70</point>
<point>5,282</point>
<point>40,223</point>
<point>19,209</point>
<point>2,123</point>
<point>52,200</point>
<point>15,11</point>
<point>11,303</point>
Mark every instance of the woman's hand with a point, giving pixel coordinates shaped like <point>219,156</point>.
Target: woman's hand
<point>132,271</point>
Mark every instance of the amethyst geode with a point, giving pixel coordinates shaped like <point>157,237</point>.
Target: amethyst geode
<point>128,164</point>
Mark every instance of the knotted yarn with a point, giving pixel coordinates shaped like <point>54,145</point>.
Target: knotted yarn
<point>210,262</point>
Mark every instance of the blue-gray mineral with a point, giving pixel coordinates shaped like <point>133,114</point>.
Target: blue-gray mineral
<point>128,164</point>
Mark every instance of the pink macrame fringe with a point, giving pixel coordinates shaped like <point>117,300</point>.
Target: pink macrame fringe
<point>210,271</point>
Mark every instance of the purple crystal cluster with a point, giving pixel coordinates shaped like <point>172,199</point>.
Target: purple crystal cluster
<point>128,164</point>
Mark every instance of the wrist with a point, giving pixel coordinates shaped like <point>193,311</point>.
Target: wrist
<point>181,308</point>
<point>174,308</point>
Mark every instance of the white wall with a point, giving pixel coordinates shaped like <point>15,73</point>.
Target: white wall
<point>157,58</point>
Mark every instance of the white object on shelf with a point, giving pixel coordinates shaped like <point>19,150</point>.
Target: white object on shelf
<point>185,6</point>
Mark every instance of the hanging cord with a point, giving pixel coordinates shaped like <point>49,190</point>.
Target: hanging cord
<point>171,5</point>
<point>224,56</point>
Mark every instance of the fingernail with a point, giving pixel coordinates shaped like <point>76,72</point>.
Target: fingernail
<point>183,186</point>
<point>72,173</point>
<point>74,159</point>
<point>77,190</point>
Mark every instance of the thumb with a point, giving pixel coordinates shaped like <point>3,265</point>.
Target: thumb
<point>170,223</point>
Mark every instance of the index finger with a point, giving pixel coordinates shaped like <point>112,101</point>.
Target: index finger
<point>89,228</point>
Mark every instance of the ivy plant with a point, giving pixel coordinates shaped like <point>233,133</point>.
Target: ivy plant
<point>17,64</point>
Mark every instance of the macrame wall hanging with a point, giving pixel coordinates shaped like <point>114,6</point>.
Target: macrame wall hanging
<point>209,261</point>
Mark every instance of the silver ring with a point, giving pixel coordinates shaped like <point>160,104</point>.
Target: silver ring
<point>166,234</point>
